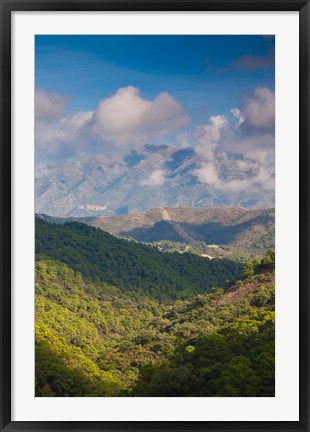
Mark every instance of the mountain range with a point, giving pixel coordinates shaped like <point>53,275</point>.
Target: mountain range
<point>153,177</point>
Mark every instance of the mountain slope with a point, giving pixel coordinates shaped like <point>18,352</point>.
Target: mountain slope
<point>215,231</point>
<point>101,257</point>
<point>105,186</point>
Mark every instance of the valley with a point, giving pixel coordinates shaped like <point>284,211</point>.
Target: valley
<point>117,318</point>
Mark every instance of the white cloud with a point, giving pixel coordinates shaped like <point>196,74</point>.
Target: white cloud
<point>238,115</point>
<point>126,118</point>
<point>208,136</point>
<point>182,139</point>
<point>76,121</point>
<point>156,179</point>
<point>63,137</point>
<point>123,121</point>
<point>247,147</point>
<point>260,109</point>
<point>245,165</point>
<point>211,133</point>
<point>49,106</point>
<point>207,173</point>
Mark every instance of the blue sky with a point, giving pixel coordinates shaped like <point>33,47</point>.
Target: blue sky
<point>208,75</point>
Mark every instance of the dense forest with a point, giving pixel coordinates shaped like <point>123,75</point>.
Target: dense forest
<point>190,327</point>
<point>218,231</point>
<point>101,257</point>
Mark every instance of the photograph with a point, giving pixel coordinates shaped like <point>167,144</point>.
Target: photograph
<point>154,215</point>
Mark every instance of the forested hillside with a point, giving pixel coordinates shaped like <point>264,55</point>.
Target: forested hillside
<point>100,257</point>
<point>96,339</point>
<point>216,231</point>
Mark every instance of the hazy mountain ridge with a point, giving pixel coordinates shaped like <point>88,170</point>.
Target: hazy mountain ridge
<point>154,177</point>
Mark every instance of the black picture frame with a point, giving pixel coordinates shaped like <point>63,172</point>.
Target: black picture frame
<point>7,7</point>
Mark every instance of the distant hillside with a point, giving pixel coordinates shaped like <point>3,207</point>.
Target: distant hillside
<point>215,231</point>
<point>101,257</point>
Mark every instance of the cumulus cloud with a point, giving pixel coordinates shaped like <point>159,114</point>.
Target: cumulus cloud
<point>246,146</point>
<point>156,179</point>
<point>260,109</point>
<point>123,121</point>
<point>258,175</point>
<point>126,117</point>
<point>208,136</point>
<point>49,106</point>
<point>63,138</point>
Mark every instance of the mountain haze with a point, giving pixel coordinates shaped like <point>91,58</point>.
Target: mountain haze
<point>153,177</point>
